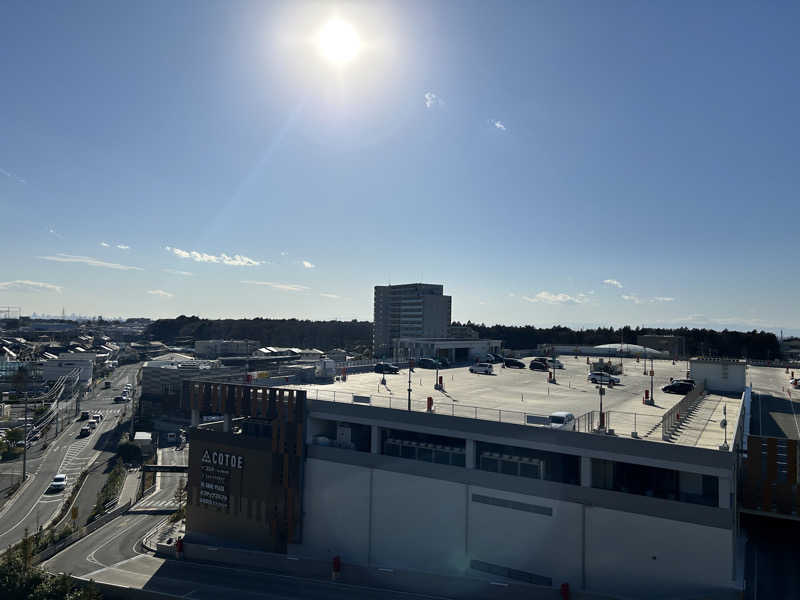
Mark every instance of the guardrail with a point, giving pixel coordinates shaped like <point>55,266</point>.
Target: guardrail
<point>442,408</point>
<point>81,533</point>
<point>633,424</point>
<point>674,415</point>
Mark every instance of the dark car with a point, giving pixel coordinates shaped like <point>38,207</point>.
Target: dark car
<point>537,366</point>
<point>427,363</point>
<point>514,363</point>
<point>386,368</point>
<point>678,387</point>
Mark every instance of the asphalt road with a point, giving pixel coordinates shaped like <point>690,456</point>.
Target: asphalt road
<point>34,506</point>
<point>772,558</point>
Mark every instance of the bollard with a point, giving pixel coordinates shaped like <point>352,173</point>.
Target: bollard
<point>564,591</point>
<point>336,568</point>
<point>430,404</point>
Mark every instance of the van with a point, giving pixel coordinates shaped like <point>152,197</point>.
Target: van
<point>84,415</point>
<point>484,368</point>
<point>92,424</point>
<point>561,420</point>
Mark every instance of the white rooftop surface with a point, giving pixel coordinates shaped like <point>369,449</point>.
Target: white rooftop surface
<point>512,395</point>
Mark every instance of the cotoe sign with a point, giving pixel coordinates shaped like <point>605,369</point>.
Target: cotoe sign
<point>223,459</point>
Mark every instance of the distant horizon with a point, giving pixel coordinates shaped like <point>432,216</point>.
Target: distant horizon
<point>787,333</point>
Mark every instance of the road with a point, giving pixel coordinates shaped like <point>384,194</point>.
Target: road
<point>111,555</point>
<point>776,406</point>
<point>34,505</point>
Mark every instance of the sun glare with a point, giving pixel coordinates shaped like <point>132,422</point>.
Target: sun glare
<point>338,42</point>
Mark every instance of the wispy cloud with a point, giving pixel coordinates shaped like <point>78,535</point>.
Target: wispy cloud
<point>662,299</point>
<point>632,298</point>
<point>498,124</point>
<point>10,175</point>
<point>176,272</point>
<point>334,296</point>
<point>105,245</point>
<point>237,260</point>
<point>88,260</point>
<point>550,298</point>
<point>612,282</point>
<point>123,247</point>
<point>308,265</point>
<point>284,253</point>
<point>161,293</point>
<point>284,287</point>
<point>25,285</point>
<point>432,100</point>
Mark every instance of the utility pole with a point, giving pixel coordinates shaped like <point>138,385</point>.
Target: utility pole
<point>25,442</point>
<point>652,373</point>
<point>410,367</point>
<point>553,348</point>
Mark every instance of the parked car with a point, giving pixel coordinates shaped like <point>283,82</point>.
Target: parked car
<point>678,387</point>
<point>558,364</point>
<point>59,483</point>
<point>600,377</point>
<point>535,365</point>
<point>86,431</point>
<point>689,381</point>
<point>427,363</point>
<point>493,358</point>
<point>514,363</point>
<point>562,420</point>
<point>386,368</point>
<point>484,368</point>
<point>444,363</point>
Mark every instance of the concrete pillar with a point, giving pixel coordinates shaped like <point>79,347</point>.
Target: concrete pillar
<point>226,423</point>
<point>724,492</point>
<point>586,471</point>
<point>195,417</point>
<point>469,461</point>
<point>375,440</point>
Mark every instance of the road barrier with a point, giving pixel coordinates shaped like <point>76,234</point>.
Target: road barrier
<point>81,533</point>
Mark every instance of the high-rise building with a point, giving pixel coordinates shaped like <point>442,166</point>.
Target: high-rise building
<point>409,310</point>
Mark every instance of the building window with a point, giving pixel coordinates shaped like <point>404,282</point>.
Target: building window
<point>526,462</point>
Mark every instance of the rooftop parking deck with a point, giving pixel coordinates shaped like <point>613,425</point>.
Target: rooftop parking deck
<point>523,396</point>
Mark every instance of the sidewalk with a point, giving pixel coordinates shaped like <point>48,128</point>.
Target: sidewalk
<point>130,487</point>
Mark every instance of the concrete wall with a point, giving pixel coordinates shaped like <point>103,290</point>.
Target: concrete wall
<point>630,554</point>
<point>380,518</point>
<point>719,376</point>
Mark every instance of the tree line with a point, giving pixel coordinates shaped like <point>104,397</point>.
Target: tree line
<point>357,335</point>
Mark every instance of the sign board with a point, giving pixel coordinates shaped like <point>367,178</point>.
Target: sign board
<point>215,476</point>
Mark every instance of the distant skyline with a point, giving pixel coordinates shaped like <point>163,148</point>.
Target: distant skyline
<point>584,164</point>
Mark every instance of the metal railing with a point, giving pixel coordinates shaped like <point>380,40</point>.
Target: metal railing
<point>400,402</point>
<point>618,422</point>
<point>674,415</point>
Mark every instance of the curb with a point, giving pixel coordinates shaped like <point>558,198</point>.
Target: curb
<point>152,531</point>
<point>16,494</point>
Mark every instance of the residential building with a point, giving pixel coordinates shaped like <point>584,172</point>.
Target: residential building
<point>409,310</point>
<point>217,348</point>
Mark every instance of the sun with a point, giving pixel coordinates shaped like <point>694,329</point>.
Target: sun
<point>338,42</point>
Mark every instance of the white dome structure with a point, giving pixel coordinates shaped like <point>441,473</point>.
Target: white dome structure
<point>631,350</point>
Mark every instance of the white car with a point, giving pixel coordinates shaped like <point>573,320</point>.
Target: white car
<point>59,483</point>
<point>558,364</point>
<point>600,377</point>
<point>484,368</point>
<point>562,420</point>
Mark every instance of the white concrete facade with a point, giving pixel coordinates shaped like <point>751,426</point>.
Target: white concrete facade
<point>55,368</point>
<point>396,520</point>
<point>725,376</point>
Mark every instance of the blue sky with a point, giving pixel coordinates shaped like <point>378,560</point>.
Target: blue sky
<point>562,162</point>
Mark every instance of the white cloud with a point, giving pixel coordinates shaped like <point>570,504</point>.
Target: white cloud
<point>161,293</point>
<point>612,282</point>
<point>88,260</point>
<point>12,176</point>
<point>25,285</point>
<point>550,298</point>
<point>498,124</point>
<point>237,260</point>
<point>105,245</point>
<point>512,295</point>
<point>176,272</point>
<point>123,247</point>
<point>662,299</point>
<point>308,265</point>
<point>52,231</point>
<point>284,253</point>
<point>285,287</point>
<point>334,296</point>
<point>432,100</point>
<point>632,298</point>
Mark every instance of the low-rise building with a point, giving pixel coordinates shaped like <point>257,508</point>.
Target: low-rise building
<point>719,374</point>
<point>66,362</point>
<point>217,348</point>
<point>454,350</point>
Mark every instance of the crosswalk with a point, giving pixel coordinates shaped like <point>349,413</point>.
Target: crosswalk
<point>167,503</point>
